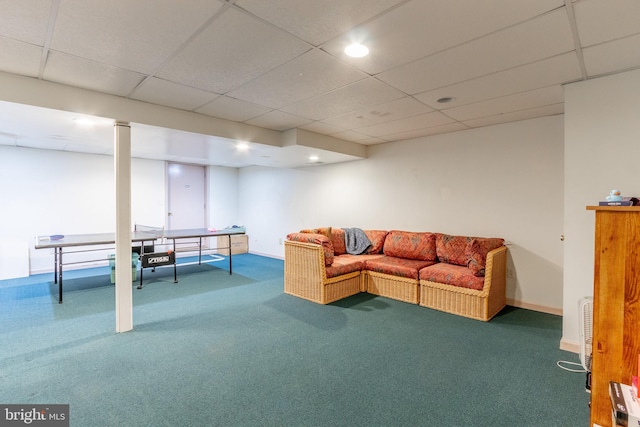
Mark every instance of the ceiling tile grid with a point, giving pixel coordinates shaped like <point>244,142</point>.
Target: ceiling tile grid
<point>232,109</point>
<point>280,64</point>
<point>20,58</point>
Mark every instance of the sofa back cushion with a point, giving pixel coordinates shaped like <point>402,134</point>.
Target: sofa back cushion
<point>410,245</point>
<point>337,239</point>
<point>477,251</point>
<point>377,238</point>
<point>318,239</point>
<point>466,251</point>
<point>325,231</point>
<point>452,249</point>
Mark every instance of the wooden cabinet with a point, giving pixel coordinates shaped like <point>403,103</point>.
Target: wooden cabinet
<point>616,304</point>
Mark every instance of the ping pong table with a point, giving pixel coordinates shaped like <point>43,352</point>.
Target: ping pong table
<point>75,243</point>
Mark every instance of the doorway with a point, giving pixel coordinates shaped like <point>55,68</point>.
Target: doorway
<point>186,196</point>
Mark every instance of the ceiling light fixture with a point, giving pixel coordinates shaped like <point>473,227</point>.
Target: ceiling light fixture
<point>356,50</point>
<point>314,158</point>
<point>84,121</point>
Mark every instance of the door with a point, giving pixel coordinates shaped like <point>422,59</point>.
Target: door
<point>186,203</point>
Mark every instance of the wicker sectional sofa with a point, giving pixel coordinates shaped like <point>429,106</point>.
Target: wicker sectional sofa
<point>456,274</point>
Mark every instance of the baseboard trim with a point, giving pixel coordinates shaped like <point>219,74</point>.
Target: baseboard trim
<point>534,307</point>
<point>266,255</point>
<point>571,346</point>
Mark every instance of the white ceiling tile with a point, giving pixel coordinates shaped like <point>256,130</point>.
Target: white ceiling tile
<point>613,56</point>
<point>20,58</point>
<point>531,41</point>
<point>316,21</point>
<point>340,101</point>
<point>358,137</point>
<point>603,20</point>
<point>228,108</point>
<point>555,70</point>
<point>235,49</point>
<point>136,35</point>
<point>25,20</point>
<point>435,130</point>
<point>306,76</point>
<point>547,110</point>
<point>385,112</point>
<point>506,104</point>
<point>322,128</point>
<point>421,28</point>
<point>163,92</point>
<point>80,72</point>
<point>421,121</point>
<point>278,120</point>
<point>502,60</point>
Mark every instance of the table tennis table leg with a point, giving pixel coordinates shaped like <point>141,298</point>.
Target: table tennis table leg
<point>141,267</point>
<point>60,276</point>
<point>55,265</point>
<point>230,268</point>
<point>175,260</point>
<point>175,272</point>
<point>141,270</point>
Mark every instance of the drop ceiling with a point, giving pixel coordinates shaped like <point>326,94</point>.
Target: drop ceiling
<point>279,65</point>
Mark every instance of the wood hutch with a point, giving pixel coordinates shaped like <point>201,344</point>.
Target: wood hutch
<point>616,304</point>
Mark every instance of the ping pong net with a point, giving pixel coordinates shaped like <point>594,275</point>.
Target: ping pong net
<point>153,232</point>
<point>149,229</point>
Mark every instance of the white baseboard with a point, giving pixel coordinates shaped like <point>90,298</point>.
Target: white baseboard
<point>571,346</point>
<point>534,307</point>
<point>266,255</point>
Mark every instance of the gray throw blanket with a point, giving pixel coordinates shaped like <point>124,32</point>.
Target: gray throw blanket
<point>356,241</point>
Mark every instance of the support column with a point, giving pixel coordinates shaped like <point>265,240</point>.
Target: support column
<point>122,166</point>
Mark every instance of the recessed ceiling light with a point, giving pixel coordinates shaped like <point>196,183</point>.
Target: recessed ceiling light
<point>446,99</point>
<point>314,158</point>
<point>242,146</point>
<point>356,50</point>
<point>84,121</point>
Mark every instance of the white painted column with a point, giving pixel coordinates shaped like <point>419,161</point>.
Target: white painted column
<point>124,292</point>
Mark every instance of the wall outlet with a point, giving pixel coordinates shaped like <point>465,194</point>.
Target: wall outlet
<point>510,274</point>
<point>279,241</point>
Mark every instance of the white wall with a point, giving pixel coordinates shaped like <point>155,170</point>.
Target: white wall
<point>52,192</point>
<point>222,196</point>
<point>500,181</point>
<point>602,148</point>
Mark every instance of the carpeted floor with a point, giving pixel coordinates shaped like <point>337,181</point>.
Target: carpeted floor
<point>234,350</point>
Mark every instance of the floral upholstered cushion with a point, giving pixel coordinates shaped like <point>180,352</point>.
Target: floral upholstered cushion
<point>477,251</point>
<point>454,275</point>
<point>410,245</point>
<point>401,267</point>
<point>343,265</point>
<point>337,238</point>
<point>377,238</point>
<point>466,251</point>
<point>318,239</point>
<point>452,249</point>
<point>325,231</point>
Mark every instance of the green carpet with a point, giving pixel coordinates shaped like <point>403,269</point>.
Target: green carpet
<point>234,350</point>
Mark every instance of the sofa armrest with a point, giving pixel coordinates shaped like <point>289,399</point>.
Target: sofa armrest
<point>304,270</point>
<point>495,278</point>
